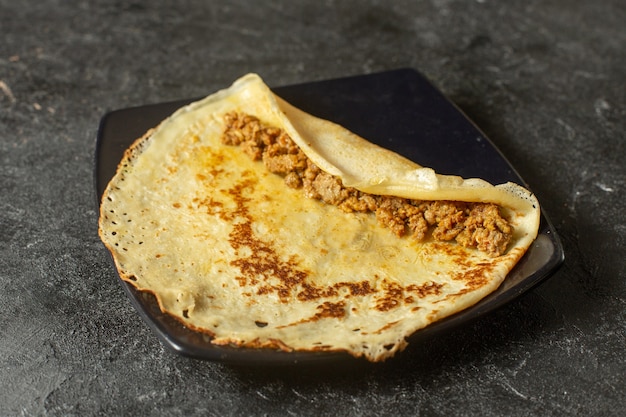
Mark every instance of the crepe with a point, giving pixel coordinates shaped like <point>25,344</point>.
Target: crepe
<point>230,250</point>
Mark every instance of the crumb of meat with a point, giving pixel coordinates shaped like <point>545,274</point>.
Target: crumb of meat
<point>485,229</point>
<point>478,225</point>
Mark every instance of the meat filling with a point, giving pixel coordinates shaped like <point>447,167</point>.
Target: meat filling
<point>477,225</point>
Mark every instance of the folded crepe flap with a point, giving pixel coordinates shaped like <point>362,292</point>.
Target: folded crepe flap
<point>357,162</point>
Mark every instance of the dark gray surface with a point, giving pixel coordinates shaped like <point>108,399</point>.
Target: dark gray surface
<point>543,79</point>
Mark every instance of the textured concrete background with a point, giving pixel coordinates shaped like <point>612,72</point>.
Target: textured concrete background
<point>544,80</point>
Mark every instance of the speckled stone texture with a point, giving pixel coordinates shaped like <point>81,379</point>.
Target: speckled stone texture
<point>543,79</point>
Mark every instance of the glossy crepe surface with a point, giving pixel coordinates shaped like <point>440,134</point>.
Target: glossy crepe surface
<point>229,250</point>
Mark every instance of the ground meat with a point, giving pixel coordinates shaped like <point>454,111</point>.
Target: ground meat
<point>390,214</point>
<point>358,201</point>
<point>285,163</point>
<point>478,225</point>
<point>486,229</point>
<point>329,189</point>
<point>293,180</point>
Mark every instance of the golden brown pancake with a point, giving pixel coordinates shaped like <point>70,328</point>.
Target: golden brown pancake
<point>234,250</point>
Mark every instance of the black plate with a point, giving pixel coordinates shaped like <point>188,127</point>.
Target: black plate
<point>399,110</point>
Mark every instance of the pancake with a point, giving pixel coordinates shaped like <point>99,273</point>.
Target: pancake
<point>266,227</point>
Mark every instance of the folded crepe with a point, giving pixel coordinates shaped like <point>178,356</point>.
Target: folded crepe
<point>266,227</point>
